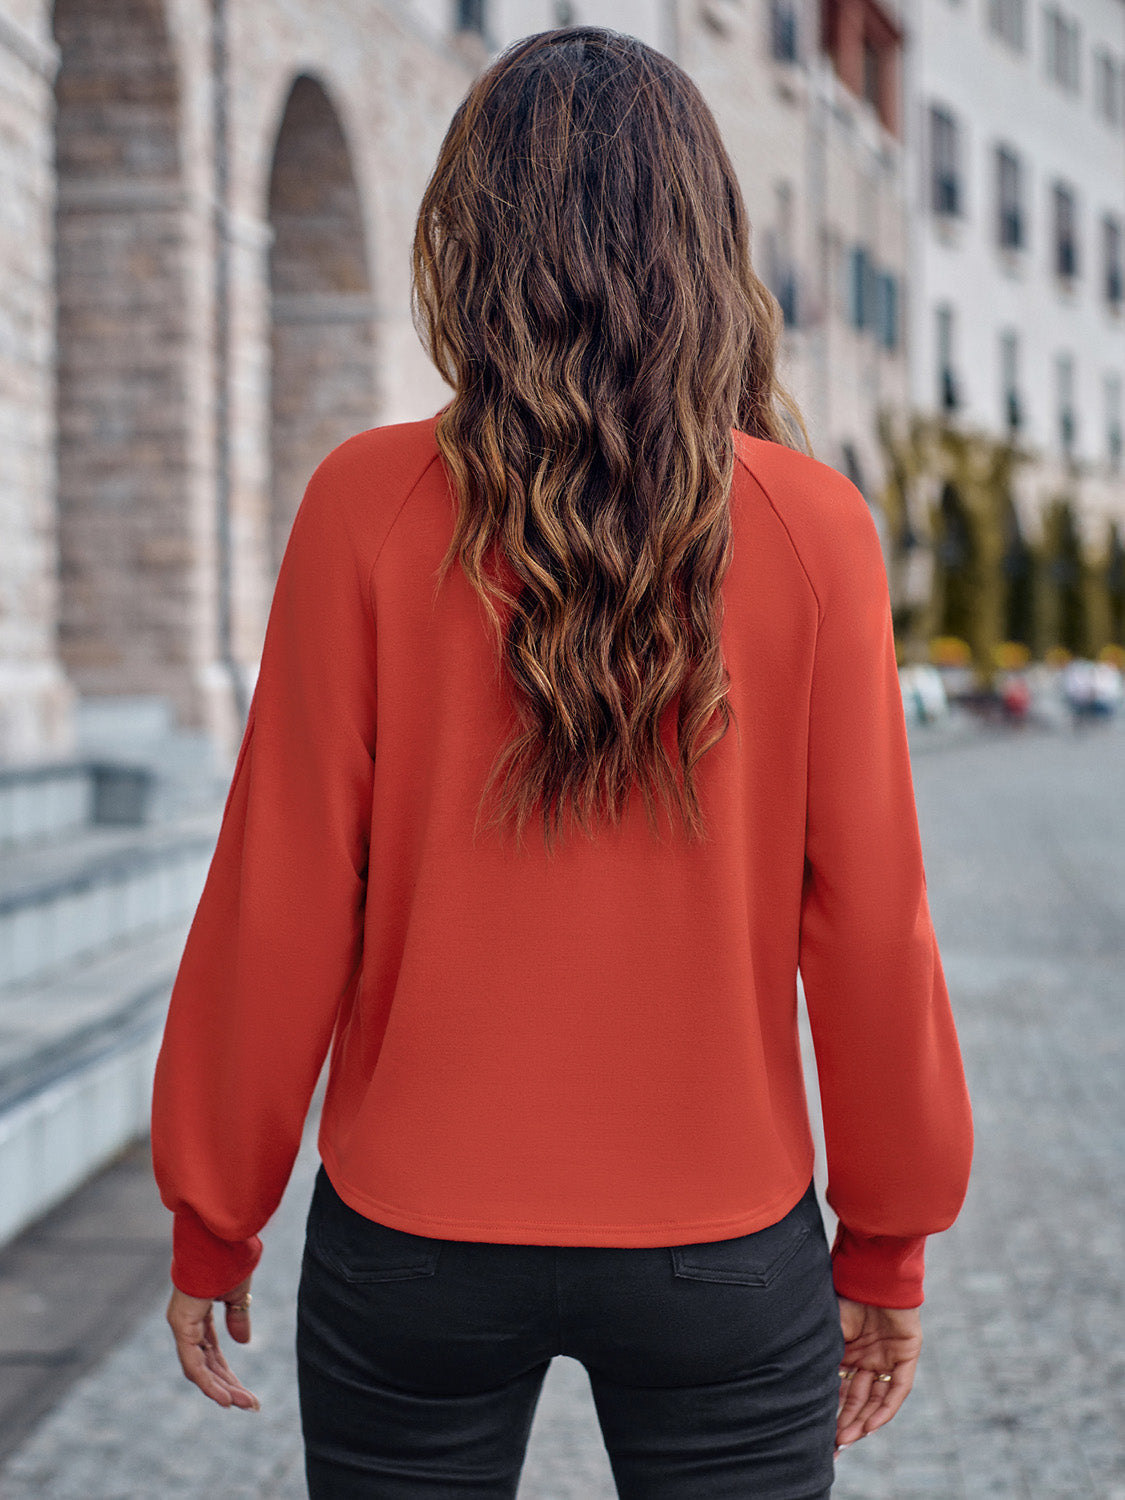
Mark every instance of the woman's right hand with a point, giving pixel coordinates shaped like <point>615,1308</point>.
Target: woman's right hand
<point>878,1341</point>
<point>192,1322</point>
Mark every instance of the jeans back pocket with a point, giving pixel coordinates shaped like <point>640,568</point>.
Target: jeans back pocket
<point>754,1259</point>
<point>361,1249</point>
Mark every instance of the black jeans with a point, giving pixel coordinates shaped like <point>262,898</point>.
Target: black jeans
<point>713,1366</point>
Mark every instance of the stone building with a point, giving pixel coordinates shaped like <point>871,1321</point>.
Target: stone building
<point>206,216</point>
<point>204,223</point>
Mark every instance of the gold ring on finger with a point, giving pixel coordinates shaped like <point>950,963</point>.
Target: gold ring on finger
<point>882,1377</point>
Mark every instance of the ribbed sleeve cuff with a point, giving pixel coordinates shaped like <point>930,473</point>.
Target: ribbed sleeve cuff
<point>203,1265</point>
<point>882,1270</point>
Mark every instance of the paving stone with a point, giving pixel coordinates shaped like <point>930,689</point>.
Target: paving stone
<point>1021,1390</point>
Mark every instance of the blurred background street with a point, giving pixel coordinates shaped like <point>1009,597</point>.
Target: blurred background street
<point>206,211</point>
<point>1021,1391</point>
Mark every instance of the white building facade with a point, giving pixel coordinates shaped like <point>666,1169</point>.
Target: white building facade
<point>1017,194</point>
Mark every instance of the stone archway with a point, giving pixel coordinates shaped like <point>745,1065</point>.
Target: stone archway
<point>322,386</point>
<point>956,567</point>
<point>1115,584</point>
<point>127,555</point>
<point>1066,612</point>
<point>1017,568</point>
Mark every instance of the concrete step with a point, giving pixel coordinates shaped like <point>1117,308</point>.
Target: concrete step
<point>187,769</point>
<point>102,862</point>
<point>69,898</point>
<point>45,800</point>
<point>77,1053</point>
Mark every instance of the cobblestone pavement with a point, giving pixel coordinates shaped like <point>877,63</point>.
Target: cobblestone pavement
<point>1021,1391</point>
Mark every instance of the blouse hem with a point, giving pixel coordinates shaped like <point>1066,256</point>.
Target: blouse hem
<point>555,1232</point>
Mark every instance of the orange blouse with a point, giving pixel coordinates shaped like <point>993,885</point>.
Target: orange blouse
<point>594,1048</point>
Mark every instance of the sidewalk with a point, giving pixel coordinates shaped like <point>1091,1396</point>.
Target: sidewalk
<point>73,1286</point>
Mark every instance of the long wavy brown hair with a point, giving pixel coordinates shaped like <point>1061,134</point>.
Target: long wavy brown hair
<point>582,279</point>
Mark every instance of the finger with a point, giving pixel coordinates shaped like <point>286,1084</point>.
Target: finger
<point>863,1417</point>
<point>217,1361</point>
<point>895,1393</point>
<point>204,1364</point>
<point>217,1364</point>
<point>201,1351</point>
<point>858,1392</point>
<point>194,1365</point>
<point>238,1324</point>
<point>845,1415</point>
<point>871,1416</point>
<point>848,1425</point>
<point>226,1377</point>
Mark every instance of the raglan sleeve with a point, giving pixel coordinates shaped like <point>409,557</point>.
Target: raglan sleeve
<point>897,1118</point>
<point>276,940</point>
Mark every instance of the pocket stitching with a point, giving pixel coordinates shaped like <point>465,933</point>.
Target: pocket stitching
<point>404,1273</point>
<point>700,1272</point>
<point>317,1246</point>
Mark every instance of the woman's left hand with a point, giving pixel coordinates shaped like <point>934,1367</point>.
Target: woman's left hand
<point>193,1326</point>
<point>881,1349</point>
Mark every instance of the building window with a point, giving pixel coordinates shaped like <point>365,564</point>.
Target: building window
<point>863,288</point>
<point>945,164</point>
<point>886,310</point>
<point>1114,438</point>
<point>872,298</point>
<point>1111,260</point>
<point>1109,87</point>
<point>470,16</point>
<point>783,31</point>
<point>1006,21</point>
<point>949,396</point>
<point>1064,387</point>
<point>1009,199</point>
<point>871,72</point>
<point>1061,46</point>
<point>1065,215</point>
<point>864,40</point>
<point>1010,380</point>
<point>781,271</point>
